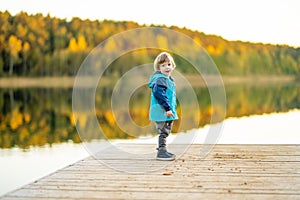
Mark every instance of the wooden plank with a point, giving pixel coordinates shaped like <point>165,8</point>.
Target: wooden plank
<point>172,185</point>
<point>228,172</point>
<point>52,194</point>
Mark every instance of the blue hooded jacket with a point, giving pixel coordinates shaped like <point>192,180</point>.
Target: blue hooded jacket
<point>163,97</point>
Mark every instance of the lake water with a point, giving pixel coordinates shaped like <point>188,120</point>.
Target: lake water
<point>19,167</point>
<point>38,134</point>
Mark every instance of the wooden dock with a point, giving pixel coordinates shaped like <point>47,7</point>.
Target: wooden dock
<point>227,172</point>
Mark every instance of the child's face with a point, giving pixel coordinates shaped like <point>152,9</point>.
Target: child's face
<point>166,68</point>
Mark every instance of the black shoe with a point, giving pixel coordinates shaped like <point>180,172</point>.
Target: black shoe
<point>163,154</point>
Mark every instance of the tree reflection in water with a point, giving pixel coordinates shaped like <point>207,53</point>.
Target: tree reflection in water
<point>39,116</point>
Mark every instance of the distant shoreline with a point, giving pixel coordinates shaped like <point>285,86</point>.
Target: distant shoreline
<point>195,80</point>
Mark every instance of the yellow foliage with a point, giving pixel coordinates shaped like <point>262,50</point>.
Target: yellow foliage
<point>16,119</point>
<point>72,119</point>
<point>33,126</point>
<point>27,117</point>
<point>220,49</point>
<point>73,44</point>
<point>211,49</point>
<point>210,110</point>
<point>31,37</point>
<point>2,126</point>
<point>109,117</point>
<point>24,133</point>
<point>76,138</point>
<point>35,139</point>
<point>15,45</point>
<point>216,50</point>
<point>64,133</point>
<point>197,40</point>
<point>21,31</point>
<point>77,45</point>
<point>41,41</point>
<point>26,47</point>
<point>81,44</point>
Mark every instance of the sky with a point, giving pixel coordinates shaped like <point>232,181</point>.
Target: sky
<point>263,21</point>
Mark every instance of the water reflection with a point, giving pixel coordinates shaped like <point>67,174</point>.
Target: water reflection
<point>36,117</point>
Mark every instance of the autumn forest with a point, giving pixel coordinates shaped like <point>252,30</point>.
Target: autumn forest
<point>37,45</point>
<point>34,46</point>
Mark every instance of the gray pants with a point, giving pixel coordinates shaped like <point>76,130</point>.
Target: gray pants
<point>164,129</point>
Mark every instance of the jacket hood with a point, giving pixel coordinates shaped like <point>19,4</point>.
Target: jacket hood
<point>154,77</point>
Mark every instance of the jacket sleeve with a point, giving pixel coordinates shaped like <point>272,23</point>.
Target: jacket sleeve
<point>159,92</point>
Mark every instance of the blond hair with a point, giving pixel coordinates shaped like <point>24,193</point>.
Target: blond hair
<point>162,58</point>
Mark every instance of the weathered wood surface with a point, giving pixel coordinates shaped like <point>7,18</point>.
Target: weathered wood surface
<point>227,172</point>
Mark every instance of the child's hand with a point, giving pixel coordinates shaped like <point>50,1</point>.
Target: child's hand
<point>169,113</point>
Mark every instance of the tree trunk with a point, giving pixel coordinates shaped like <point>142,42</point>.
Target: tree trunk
<point>11,66</point>
<point>24,64</point>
